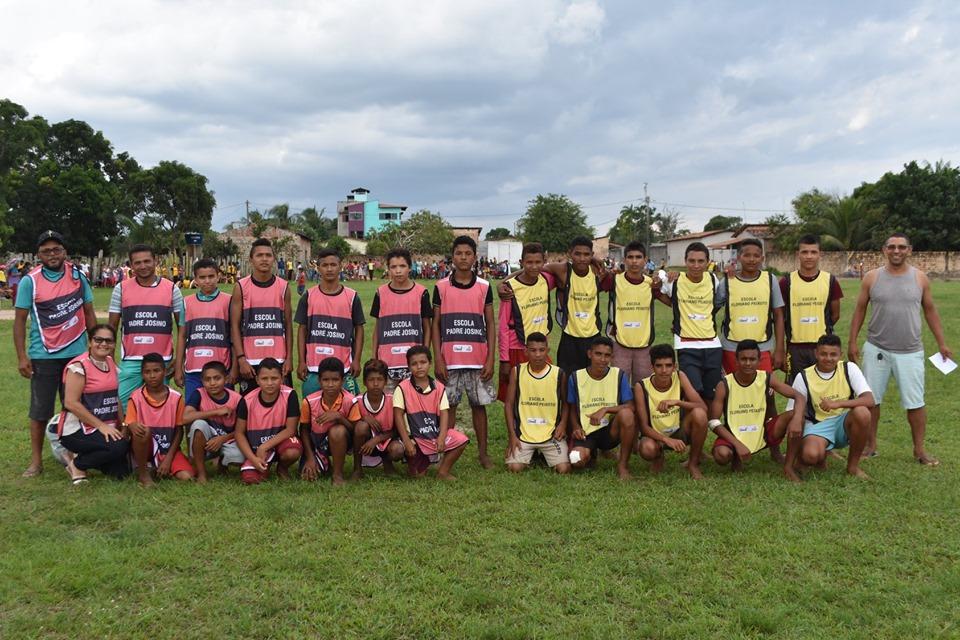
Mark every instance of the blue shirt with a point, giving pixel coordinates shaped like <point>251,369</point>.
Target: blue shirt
<point>35,350</point>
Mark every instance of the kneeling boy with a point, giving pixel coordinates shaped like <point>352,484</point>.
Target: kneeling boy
<point>376,414</point>
<point>743,411</point>
<point>211,413</point>
<point>155,418</point>
<point>836,402</point>
<point>601,412</point>
<point>327,419</point>
<point>266,429</point>
<point>421,414</point>
<point>535,411</point>
<point>672,413</point>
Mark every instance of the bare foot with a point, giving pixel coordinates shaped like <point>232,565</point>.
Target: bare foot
<point>32,471</point>
<point>446,476</point>
<point>202,479</point>
<point>791,474</point>
<point>388,468</point>
<point>777,456</point>
<point>736,465</point>
<point>283,472</point>
<point>694,471</point>
<point>609,454</point>
<point>338,481</point>
<point>485,461</point>
<point>657,465</point>
<point>624,473</point>
<point>357,474</point>
<point>928,460</point>
<point>145,480</point>
<point>858,473</point>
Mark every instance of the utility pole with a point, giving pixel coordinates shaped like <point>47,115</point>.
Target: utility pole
<point>646,205</point>
<point>247,202</point>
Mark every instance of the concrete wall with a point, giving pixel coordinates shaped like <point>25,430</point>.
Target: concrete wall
<point>943,263</point>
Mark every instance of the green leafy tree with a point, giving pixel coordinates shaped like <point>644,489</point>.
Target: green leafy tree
<point>279,216</point>
<point>341,246</point>
<point>255,222</point>
<point>217,247</point>
<point>844,227</point>
<point>377,247</point>
<point>312,223</point>
<point>721,222</point>
<point>633,223</point>
<point>498,233</point>
<point>423,232</point>
<point>553,220</point>
<point>177,198</point>
<point>666,225</point>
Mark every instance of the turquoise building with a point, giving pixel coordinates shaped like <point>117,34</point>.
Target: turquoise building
<point>358,215</point>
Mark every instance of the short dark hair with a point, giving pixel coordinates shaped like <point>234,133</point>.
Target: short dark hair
<point>205,263</point>
<point>152,358</point>
<point>260,242</point>
<point>467,240</point>
<point>601,340</point>
<point>808,238</point>
<point>326,252</point>
<point>634,245</point>
<point>662,352</point>
<point>581,241</point>
<point>531,247</point>
<point>399,252</point>
<point>417,350</point>
<point>374,365</point>
<point>747,345</point>
<point>536,336</point>
<point>750,242</point>
<point>330,364</point>
<point>899,234</point>
<point>214,365</point>
<point>270,363</point>
<point>140,247</point>
<point>696,246</point>
<point>829,340</point>
<point>103,325</point>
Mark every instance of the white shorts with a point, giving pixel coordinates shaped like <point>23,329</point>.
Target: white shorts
<point>553,451</point>
<point>907,369</point>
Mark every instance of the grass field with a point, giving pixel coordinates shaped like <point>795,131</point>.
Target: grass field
<point>494,555</point>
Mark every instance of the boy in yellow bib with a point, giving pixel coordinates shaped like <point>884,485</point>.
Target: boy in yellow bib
<point>630,314</point>
<point>836,401</point>
<point>535,411</point>
<point>601,409</point>
<point>672,413</point>
<point>743,412</point>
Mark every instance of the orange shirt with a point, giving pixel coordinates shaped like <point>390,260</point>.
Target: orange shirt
<point>352,416</point>
<point>131,417</point>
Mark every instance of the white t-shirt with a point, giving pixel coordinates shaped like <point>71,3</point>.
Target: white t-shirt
<point>854,375</point>
<point>713,343</point>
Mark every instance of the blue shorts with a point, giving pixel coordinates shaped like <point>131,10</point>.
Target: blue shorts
<point>831,430</point>
<point>906,368</point>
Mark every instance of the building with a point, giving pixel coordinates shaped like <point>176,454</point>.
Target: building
<point>288,245</point>
<point>472,232</point>
<point>603,248</point>
<point>358,215</point>
<point>723,250</point>
<point>507,249</point>
<point>677,247</point>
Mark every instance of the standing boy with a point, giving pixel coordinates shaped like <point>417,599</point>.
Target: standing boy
<point>155,419</point>
<point>601,409</point>
<point>630,314</point>
<point>58,299</point>
<point>331,323</point>
<point>261,319</point>
<point>266,429</point>
<point>672,414</point>
<point>205,337</point>
<point>464,339</point>
<point>327,426</point>
<point>403,313</point>
<point>145,307</point>
<point>535,410</point>
<point>211,412</point>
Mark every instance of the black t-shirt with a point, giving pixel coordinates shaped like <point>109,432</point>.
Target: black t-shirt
<point>293,406</point>
<point>194,400</point>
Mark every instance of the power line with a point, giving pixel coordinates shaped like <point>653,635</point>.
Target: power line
<point>714,207</point>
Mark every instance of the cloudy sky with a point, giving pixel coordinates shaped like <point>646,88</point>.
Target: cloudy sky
<point>472,107</point>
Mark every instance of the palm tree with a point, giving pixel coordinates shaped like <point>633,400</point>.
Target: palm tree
<point>846,225</point>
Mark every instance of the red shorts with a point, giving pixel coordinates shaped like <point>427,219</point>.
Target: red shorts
<point>517,356</point>
<point>180,463</point>
<point>250,475</point>
<point>768,436</point>
<point>730,362</point>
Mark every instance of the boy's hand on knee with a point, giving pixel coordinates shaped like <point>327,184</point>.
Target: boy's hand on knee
<point>677,445</point>
<point>410,449</point>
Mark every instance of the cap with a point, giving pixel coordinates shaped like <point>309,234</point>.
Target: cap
<point>50,235</point>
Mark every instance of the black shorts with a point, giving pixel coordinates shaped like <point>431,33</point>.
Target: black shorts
<point>45,384</point>
<point>703,367</point>
<point>799,357</point>
<point>599,439</point>
<point>572,353</point>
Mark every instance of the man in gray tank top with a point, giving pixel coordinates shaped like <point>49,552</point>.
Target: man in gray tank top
<point>898,293</point>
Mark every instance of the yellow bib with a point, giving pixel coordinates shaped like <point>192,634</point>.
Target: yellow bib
<point>669,422</point>
<point>537,405</point>
<point>595,394</point>
<point>746,409</point>
<point>807,308</point>
<point>749,314</point>
<point>531,307</point>
<point>630,312</point>
<point>693,308</point>
<point>582,318</point>
<point>836,387</point>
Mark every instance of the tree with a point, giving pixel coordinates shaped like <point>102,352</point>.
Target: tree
<point>219,248</point>
<point>279,216</point>
<point>666,225</point>
<point>633,223</point>
<point>845,226</point>
<point>498,233</point>
<point>312,224</point>
<point>553,220</point>
<point>255,222</point>
<point>423,232</point>
<point>177,198</point>
<point>783,231</point>
<point>377,247</point>
<point>922,201</point>
<point>341,246</point>
<point>721,222</point>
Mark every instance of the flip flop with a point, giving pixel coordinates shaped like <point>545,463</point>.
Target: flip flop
<point>78,481</point>
<point>929,462</point>
<point>32,472</point>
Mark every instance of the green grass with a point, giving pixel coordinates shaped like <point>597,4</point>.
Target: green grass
<point>494,555</point>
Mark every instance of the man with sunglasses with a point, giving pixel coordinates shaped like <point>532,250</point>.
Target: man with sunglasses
<point>59,301</point>
<point>898,293</point>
